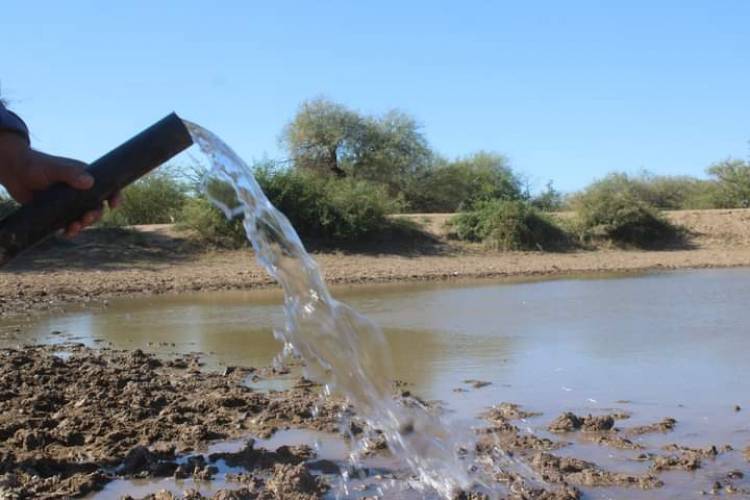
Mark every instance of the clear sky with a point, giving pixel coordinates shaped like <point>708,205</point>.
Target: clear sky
<point>568,90</point>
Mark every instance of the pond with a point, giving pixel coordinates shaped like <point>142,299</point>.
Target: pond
<point>670,344</point>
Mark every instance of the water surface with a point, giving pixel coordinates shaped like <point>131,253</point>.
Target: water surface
<point>673,344</point>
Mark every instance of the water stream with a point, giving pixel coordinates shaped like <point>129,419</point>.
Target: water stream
<point>341,349</point>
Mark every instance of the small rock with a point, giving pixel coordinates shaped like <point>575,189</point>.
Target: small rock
<point>477,384</point>
<point>735,474</point>
<point>566,422</point>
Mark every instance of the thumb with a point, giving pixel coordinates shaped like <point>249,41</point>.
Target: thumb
<point>71,172</point>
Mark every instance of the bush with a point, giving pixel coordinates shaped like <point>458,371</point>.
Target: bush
<point>732,184</point>
<point>321,208</point>
<point>549,200</point>
<point>676,192</point>
<point>210,224</point>
<point>355,209</point>
<point>155,199</point>
<point>661,192</point>
<point>509,225</point>
<point>327,208</point>
<point>615,211</point>
<point>459,185</point>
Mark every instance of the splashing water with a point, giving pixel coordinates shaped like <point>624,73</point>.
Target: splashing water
<point>340,348</point>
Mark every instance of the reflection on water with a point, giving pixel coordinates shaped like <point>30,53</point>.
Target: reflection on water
<point>670,344</point>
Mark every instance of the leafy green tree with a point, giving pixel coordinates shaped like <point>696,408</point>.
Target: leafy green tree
<point>328,138</point>
<point>392,151</point>
<point>732,183</point>
<point>324,136</point>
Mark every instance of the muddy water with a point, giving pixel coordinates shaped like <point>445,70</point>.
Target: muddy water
<point>657,345</point>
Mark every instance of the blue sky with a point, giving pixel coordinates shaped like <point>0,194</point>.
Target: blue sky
<point>568,90</point>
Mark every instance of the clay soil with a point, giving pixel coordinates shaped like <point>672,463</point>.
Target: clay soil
<point>159,259</point>
<point>72,419</point>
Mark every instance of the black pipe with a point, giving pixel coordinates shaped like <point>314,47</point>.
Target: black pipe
<point>58,206</point>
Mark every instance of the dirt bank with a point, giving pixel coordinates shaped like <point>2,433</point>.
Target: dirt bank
<point>74,419</point>
<point>157,259</point>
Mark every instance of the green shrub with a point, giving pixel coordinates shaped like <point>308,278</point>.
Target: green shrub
<point>732,185</point>
<point>661,192</point>
<point>549,200</point>
<point>675,192</point>
<point>509,225</point>
<point>210,225</point>
<point>324,209</point>
<point>459,185</point>
<point>155,199</point>
<point>615,211</point>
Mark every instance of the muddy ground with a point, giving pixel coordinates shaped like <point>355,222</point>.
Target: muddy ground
<point>102,263</point>
<point>72,419</point>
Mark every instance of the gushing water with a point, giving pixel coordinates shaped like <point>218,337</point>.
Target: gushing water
<point>340,348</point>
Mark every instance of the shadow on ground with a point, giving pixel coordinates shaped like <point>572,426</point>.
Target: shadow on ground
<point>108,249</point>
<point>148,247</point>
<point>402,239</point>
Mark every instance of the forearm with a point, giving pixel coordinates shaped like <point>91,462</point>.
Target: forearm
<point>11,122</point>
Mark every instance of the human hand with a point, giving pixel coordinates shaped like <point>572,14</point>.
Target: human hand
<point>24,171</point>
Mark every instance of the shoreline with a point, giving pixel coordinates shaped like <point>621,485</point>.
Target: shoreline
<point>156,260</point>
<point>27,294</point>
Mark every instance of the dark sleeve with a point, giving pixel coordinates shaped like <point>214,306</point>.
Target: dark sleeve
<point>11,122</point>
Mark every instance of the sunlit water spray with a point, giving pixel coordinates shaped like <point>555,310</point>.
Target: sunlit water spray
<point>341,349</point>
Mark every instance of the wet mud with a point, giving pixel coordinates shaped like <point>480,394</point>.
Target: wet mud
<point>73,419</point>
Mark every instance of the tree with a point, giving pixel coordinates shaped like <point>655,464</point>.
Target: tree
<point>392,151</point>
<point>328,138</point>
<point>489,177</point>
<point>324,136</point>
<point>549,200</point>
<point>732,183</point>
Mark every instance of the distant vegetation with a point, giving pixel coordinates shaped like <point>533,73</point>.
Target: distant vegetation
<point>155,199</point>
<point>328,208</point>
<point>452,186</point>
<point>731,185</point>
<point>509,225</point>
<point>616,210</point>
<point>323,209</point>
<point>209,225</point>
<point>346,172</point>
